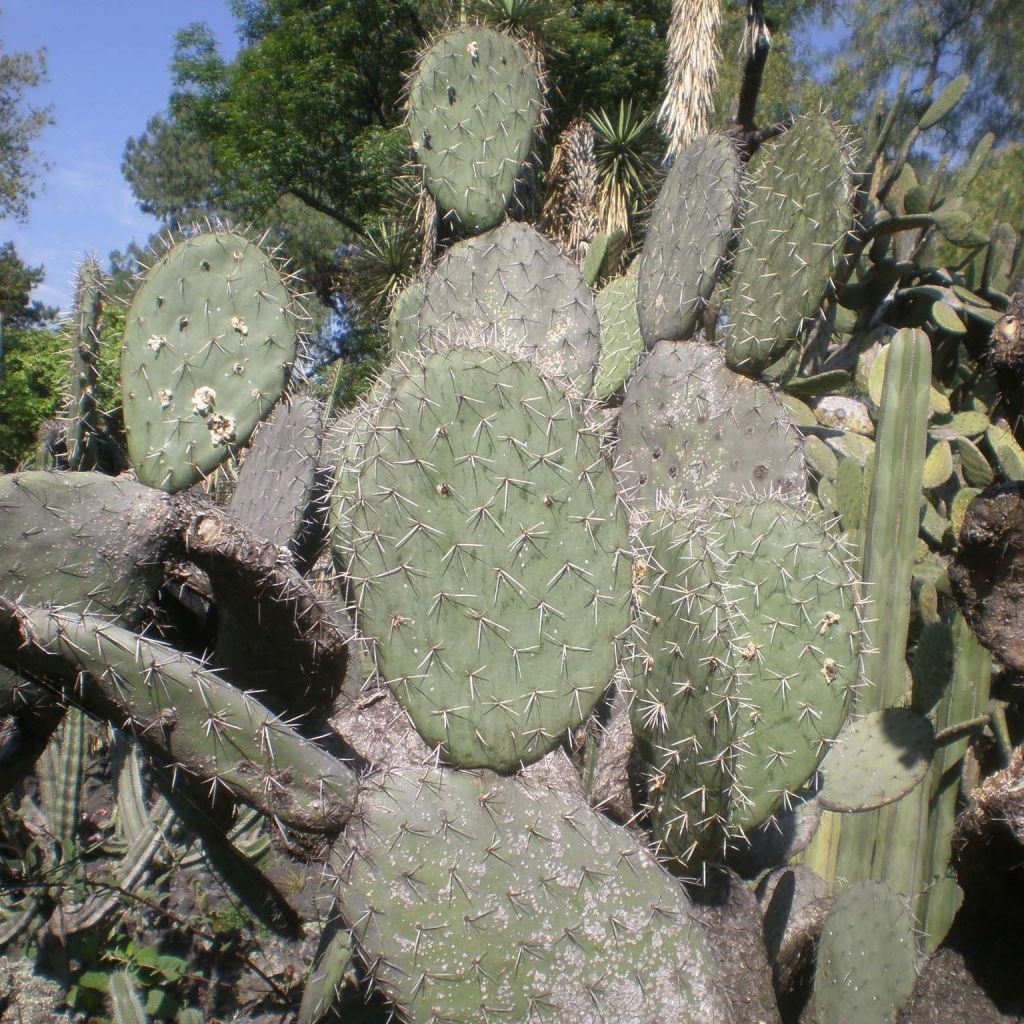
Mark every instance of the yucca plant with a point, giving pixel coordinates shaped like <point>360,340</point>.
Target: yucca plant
<point>380,264</point>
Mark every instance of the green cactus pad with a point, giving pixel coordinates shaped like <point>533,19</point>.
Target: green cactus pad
<point>276,482</point>
<point>489,557</point>
<point>195,721</point>
<point>83,541</point>
<point>475,105</point>
<point>403,320</point>
<point>690,229</point>
<point>511,289</point>
<point>795,221</point>
<point>209,344</point>
<point>691,430</point>
<point>866,957</point>
<point>877,760</point>
<point>621,341</point>
<point>752,657</point>
<point>477,898</point>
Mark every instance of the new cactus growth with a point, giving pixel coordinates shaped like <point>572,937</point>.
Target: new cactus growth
<point>476,102</point>
<point>621,341</point>
<point>210,340</point>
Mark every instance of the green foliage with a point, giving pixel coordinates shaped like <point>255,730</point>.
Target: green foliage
<point>35,369</point>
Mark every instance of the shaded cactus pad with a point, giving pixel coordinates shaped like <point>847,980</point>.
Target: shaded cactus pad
<point>475,104</point>
<point>472,894</point>
<point>691,430</point>
<point>209,343</point>
<point>511,289</point>
<point>621,342</point>
<point>489,557</point>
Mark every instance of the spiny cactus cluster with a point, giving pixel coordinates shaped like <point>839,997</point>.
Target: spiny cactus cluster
<point>724,580</point>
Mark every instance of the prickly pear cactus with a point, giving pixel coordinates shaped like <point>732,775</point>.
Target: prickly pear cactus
<point>403,320</point>
<point>475,104</point>
<point>471,894</point>
<point>209,343</point>
<point>752,655</point>
<point>621,341</point>
<point>796,217</point>
<point>511,289</point>
<point>692,430</point>
<point>690,229</point>
<point>488,557</point>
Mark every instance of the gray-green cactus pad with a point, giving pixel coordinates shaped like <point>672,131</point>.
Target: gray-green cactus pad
<point>690,228</point>
<point>477,898</point>
<point>877,759</point>
<point>511,289</point>
<point>752,656</point>
<point>866,957</point>
<point>198,722</point>
<point>796,217</point>
<point>276,482</point>
<point>692,430</point>
<point>404,318</point>
<point>83,541</point>
<point>209,343</point>
<point>621,341</point>
<point>489,557</point>
<point>475,104</point>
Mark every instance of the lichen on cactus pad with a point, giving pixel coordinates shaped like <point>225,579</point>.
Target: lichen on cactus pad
<point>692,430</point>
<point>511,289</point>
<point>209,343</point>
<point>795,221</point>
<point>690,229</point>
<point>489,557</point>
<point>752,657</point>
<point>476,898</point>
<point>475,104</point>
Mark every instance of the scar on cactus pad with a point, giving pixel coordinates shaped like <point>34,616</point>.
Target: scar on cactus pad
<point>210,341</point>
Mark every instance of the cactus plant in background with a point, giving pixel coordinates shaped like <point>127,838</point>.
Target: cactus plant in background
<point>83,427</point>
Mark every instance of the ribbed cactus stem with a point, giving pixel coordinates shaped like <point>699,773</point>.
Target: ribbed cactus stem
<point>893,511</point>
<point>83,421</point>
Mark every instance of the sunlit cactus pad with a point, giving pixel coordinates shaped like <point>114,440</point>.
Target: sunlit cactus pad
<point>621,341</point>
<point>691,430</point>
<point>475,104</point>
<point>83,541</point>
<point>690,229</point>
<point>513,290</point>
<point>476,898</point>
<point>753,654</point>
<point>209,343</point>
<point>489,557</point>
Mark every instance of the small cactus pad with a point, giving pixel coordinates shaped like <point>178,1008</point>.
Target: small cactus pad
<point>692,430</point>
<point>475,105</point>
<point>877,759</point>
<point>209,343</point>
<point>197,722</point>
<point>403,320</point>
<point>476,898</point>
<point>489,557</point>
<point>83,541</point>
<point>277,480</point>
<point>511,289</point>
<point>621,341</point>
<point>690,228</point>
<point>796,216</point>
<point>866,957</point>
<point>752,656</point>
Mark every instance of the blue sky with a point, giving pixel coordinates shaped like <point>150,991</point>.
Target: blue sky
<point>108,74</point>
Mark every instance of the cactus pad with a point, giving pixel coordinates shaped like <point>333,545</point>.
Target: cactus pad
<point>477,898</point>
<point>866,957</point>
<point>475,105</point>
<point>752,657</point>
<point>83,541</point>
<point>690,228</point>
<point>621,341</point>
<point>403,320</point>
<point>796,217</point>
<point>511,289</point>
<point>691,430</point>
<point>209,343</point>
<point>489,557</point>
<point>877,760</point>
